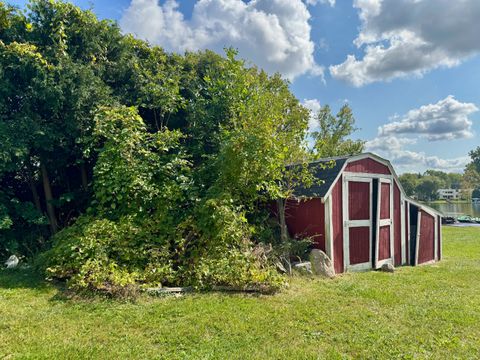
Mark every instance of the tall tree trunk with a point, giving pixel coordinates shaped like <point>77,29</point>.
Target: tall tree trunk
<point>35,196</point>
<point>48,198</point>
<point>281,218</point>
<point>156,120</point>
<point>83,173</point>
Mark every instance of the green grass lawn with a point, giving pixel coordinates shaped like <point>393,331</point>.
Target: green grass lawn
<point>424,312</point>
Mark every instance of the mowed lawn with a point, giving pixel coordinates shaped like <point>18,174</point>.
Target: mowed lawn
<point>428,312</point>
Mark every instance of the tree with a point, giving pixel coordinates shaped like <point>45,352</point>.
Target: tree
<point>332,137</point>
<point>427,187</point>
<point>475,156</point>
<point>409,182</point>
<point>476,193</point>
<point>471,175</point>
<point>441,177</point>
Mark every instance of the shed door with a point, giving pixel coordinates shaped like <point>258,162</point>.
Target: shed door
<point>358,224</point>
<point>384,230</point>
<point>425,238</point>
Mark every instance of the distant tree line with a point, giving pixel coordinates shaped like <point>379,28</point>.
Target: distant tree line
<point>425,186</point>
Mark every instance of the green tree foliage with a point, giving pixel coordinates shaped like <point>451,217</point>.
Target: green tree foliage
<point>475,156</point>
<point>471,177</point>
<point>427,187</point>
<point>476,193</point>
<point>332,137</point>
<point>136,171</point>
<point>409,182</point>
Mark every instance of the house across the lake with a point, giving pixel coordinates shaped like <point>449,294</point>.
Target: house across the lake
<point>449,194</point>
<point>361,217</point>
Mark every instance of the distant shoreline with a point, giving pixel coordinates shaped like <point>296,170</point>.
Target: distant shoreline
<point>448,202</point>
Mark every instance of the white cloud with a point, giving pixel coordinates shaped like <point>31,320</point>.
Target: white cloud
<point>387,143</point>
<point>446,120</point>
<point>315,2</point>
<point>392,148</point>
<point>273,34</point>
<point>410,37</point>
<point>314,106</point>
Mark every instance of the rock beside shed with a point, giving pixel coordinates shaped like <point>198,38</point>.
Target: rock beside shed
<point>321,264</point>
<point>303,267</point>
<point>387,268</point>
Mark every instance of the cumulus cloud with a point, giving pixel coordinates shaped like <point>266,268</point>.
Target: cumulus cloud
<point>388,143</point>
<point>446,120</point>
<point>392,148</point>
<point>273,34</point>
<point>410,37</point>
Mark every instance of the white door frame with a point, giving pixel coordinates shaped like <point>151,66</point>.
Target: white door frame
<point>347,224</point>
<point>384,222</point>
<point>417,242</point>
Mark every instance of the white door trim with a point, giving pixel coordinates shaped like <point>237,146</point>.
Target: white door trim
<point>435,238</point>
<point>402,229</point>
<point>384,222</point>
<point>329,229</point>
<point>419,225</point>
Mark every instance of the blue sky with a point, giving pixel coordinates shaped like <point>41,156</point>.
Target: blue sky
<point>408,68</point>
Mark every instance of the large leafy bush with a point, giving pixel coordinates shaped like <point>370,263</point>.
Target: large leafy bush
<point>139,232</point>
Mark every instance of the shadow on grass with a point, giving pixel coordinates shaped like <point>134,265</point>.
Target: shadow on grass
<point>21,279</point>
<point>28,278</point>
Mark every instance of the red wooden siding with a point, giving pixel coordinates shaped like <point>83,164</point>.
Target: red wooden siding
<point>367,166</point>
<point>385,203</point>
<point>384,243</point>
<point>307,219</point>
<point>426,246</point>
<point>337,224</point>
<point>439,238</point>
<point>397,227</point>
<point>359,244</point>
<point>358,200</point>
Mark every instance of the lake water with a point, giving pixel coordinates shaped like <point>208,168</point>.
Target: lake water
<point>472,209</point>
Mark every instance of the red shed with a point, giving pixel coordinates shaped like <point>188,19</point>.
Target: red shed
<point>361,217</point>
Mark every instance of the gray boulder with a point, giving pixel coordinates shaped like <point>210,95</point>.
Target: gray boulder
<point>387,267</point>
<point>321,264</point>
<point>303,267</point>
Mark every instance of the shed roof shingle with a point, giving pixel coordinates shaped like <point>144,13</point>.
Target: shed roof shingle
<point>327,175</point>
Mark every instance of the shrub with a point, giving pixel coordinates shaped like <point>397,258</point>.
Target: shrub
<point>105,255</point>
<point>111,257</point>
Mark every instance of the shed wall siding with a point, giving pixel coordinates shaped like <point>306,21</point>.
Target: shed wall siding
<point>307,219</point>
<point>367,166</point>
<point>397,228</point>
<point>426,250</point>
<point>337,220</point>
